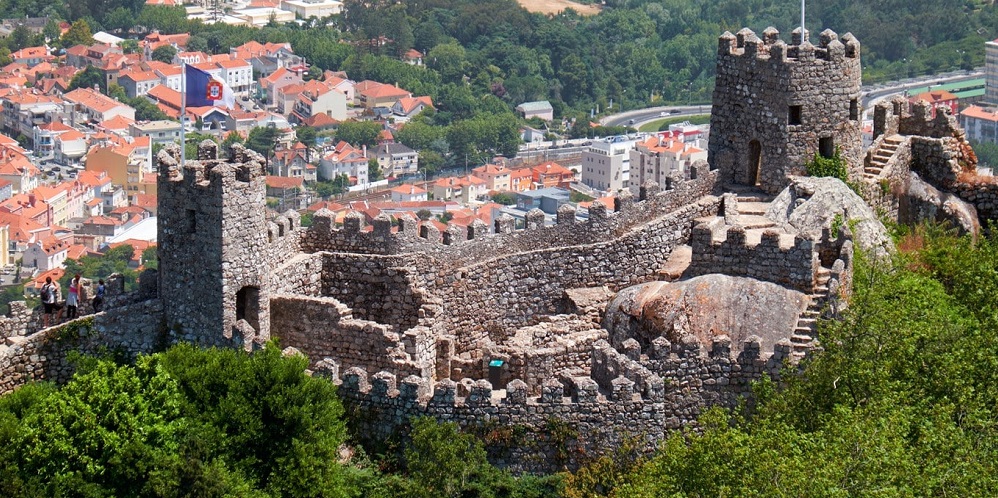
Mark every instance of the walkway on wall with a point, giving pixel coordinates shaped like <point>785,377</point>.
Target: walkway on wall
<point>883,154</point>
<point>752,206</point>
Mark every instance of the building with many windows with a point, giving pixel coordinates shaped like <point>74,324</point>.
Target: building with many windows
<point>606,164</point>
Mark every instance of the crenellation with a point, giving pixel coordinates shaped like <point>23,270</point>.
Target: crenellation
<point>534,219</point>
<point>565,215</point>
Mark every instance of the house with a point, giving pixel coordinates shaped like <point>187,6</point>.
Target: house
<point>305,9</point>
<point>466,189</point>
<point>547,199</point>
<point>521,179</point>
<point>396,159</point>
<point>293,162</point>
<point>496,176</point>
<point>70,147</point>
<point>126,164</point>
<point>659,157</point>
<point>138,82</point>
<point>541,109</point>
<point>58,200</point>
<point>32,56</point>
<point>30,207</point>
<point>283,186</point>
<point>341,84</point>
<point>277,80</point>
<point>380,95</point>
<point>44,137</point>
<point>47,254</point>
<point>407,107</point>
<point>238,74</point>
<point>939,98</point>
<point>552,174</point>
<point>159,132</point>
<point>980,123</point>
<point>6,191</point>
<point>318,98</point>
<point>18,170</point>
<point>345,159</point>
<point>118,125</point>
<point>97,107</point>
<point>413,57</point>
<point>408,193</point>
<point>25,109</point>
<point>532,135</point>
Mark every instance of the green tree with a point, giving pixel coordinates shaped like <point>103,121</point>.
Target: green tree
<point>374,172</point>
<point>306,135</point>
<point>419,135</point>
<point>430,161</point>
<point>21,37</point>
<point>359,133</point>
<point>164,53</point>
<point>441,460</point>
<point>262,139</point>
<point>504,198</point>
<point>129,46</point>
<point>88,78</point>
<point>79,34</point>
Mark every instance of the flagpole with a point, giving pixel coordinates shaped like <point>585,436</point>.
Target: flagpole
<point>183,114</point>
<point>802,35</point>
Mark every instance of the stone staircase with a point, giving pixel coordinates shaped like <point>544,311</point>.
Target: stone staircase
<point>883,154</point>
<point>805,333</point>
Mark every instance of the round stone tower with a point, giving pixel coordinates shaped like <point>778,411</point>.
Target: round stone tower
<point>776,105</point>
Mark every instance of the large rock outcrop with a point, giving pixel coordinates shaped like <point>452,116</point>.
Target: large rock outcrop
<point>923,202</point>
<point>705,307</point>
<point>811,205</point>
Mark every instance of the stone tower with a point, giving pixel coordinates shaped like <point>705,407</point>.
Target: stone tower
<point>776,105</point>
<point>213,241</point>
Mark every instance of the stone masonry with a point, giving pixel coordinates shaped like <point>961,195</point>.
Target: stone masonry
<point>777,105</point>
<point>502,330</point>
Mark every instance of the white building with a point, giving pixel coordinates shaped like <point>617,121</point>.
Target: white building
<point>606,164</point>
<point>980,123</point>
<point>313,8</point>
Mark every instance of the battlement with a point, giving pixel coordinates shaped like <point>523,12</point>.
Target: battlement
<point>480,241</point>
<point>746,44</point>
<point>784,259</point>
<point>208,169</point>
<point>899,116</point>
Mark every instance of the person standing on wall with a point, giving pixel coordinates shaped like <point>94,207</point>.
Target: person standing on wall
<point>99,296</point>
<point>50,301</point>
<point>73,299</point>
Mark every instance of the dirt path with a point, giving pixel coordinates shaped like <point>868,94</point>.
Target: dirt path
<point>556,6</point>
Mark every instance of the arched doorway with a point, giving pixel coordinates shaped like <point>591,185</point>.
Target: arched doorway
<point>754,166</point>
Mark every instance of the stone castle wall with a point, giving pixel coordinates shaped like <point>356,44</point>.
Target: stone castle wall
<point>721,248</point>
<point>774,104</point>
<point>323,327</point>
<point>589,415</point>
<point>129,330</point>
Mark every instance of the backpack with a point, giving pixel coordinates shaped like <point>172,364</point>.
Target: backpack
<point>46,293</point>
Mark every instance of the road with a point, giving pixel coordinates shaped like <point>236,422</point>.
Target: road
<point>642,116</point>
<point>871,94</point>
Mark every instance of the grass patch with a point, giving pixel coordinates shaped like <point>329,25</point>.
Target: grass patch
<point>663,124</point>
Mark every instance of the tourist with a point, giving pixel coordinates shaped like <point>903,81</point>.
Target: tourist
<point>73,298</point>
<point>50,301</point>
<point>99,297</point>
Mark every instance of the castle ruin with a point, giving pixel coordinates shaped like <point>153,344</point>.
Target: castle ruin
<point>629,324</point>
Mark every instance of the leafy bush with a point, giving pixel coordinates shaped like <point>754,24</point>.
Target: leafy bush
<point>833,167</point>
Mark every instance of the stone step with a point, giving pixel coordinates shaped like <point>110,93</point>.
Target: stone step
<point>753,221</point>
<point>753,207</point>
<point>754,236</point>
<point>677,263</point>
<point>801,338</point>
